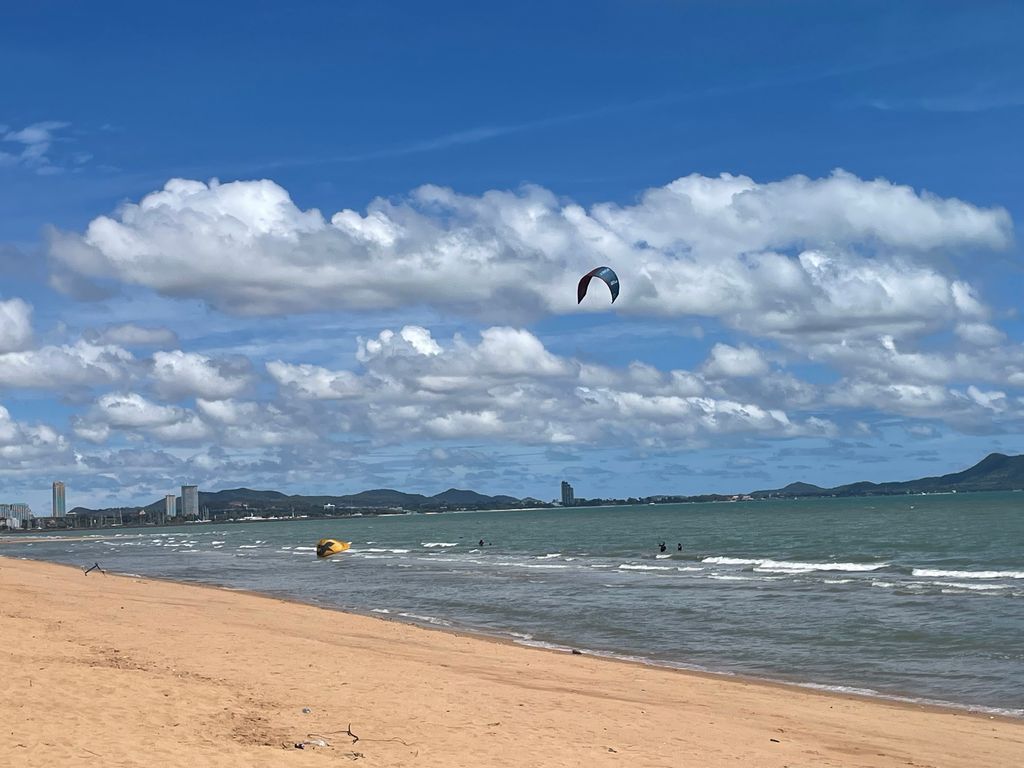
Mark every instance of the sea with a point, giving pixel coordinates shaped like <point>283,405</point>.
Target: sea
<point>913,597</point>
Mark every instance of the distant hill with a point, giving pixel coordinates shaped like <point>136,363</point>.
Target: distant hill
<point>456,496</point>
<point>802,489</point>
<point>383,499</point>
<point>996,472</point>
<point>242,495</point>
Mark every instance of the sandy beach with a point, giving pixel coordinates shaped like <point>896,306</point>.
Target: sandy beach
<point>122,671</point>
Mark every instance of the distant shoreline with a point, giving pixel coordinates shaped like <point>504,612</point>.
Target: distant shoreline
<point>235,521</point>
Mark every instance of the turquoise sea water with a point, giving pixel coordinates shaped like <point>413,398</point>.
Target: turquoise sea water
<point>917,596</point>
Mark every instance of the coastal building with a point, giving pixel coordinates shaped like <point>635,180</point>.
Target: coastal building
<point>170,506</point>
<point>58,510</point>
<point>568,497</point>
<point>15,517</point>
<point>190,502</point>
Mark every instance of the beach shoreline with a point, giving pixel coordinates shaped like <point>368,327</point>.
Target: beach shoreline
<point>563,648</point>
<point>987,713</point>
<point>244,659</point>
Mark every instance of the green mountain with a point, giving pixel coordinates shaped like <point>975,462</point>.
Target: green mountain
<point>383,499</point>
<point>996,472</point>
<point>457,496</point>
<point>241,494</point>
<point>802,489</point>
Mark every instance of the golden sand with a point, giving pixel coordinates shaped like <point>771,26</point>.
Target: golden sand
<point>121,671</point>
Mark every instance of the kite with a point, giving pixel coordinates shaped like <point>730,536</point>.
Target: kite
<point>604,273</point>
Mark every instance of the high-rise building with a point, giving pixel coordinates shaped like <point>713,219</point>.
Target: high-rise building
<point>15,516</point>
<point>568,498</point>
<point>190,501</point>
<point>170,506</point>
<point>58,509</point>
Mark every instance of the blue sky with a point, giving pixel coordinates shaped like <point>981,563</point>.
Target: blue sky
<point>378,288</point>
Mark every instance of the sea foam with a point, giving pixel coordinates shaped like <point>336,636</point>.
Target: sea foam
<point>627,567</point>
<point>793,566</point>
<point>938,573</point>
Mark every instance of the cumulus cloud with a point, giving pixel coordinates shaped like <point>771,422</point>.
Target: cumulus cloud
<point>64,367</point>
<point>229,412</point>
<point>734,362</point>
<point>132,413</point>
<point>502,351</point>
<point>829,256</point>
<point>131,335</point>
<point>15,324</point>
<point>315,382</point>
<point>21,443</point>
<point>972,411</point>
<point>980,334</point>
<point>133,410</point>
<point>189,374</point>
<point>507,385</point>
<point>258,424</point>
<point>885,360</point>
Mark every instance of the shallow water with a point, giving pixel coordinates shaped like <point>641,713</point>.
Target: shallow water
<point>919,597</point>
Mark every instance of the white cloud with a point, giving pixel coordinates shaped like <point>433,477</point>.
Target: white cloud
<point>15,324</point>
<point>980,334</point>
<point>737,213</point>
<point>255,424</point>
<point>733,362</point>
<point>993,400</point>
<point>502,351</point>
<point>829,256</point>
<point>94,432</point>
<point>132,413</point>
<point>229,412</point>
<point>66,366</point>
<point>189,428</point>
<point>412,340</point>
<point>973,410</point>
<point>187,374</point>
<point>35,140</point>
<point>509,386</point>
<point>131,335</point>
<point>885,360</point>
<point>513,352</point>
<point>131,410</point>
<point>461,424</point>
<point>315,382</point>
<point>21,443</point>
<point>244,424</point>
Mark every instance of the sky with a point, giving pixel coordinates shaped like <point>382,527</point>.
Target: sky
<point>335,246</point>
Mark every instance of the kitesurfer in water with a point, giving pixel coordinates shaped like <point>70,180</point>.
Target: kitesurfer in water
<point>662,546</point>
<point>481,543</point>
<point>679,547</point>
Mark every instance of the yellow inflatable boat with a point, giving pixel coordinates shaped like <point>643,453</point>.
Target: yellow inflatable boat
<point>328,547</point>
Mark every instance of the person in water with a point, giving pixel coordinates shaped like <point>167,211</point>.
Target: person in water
<point>662,546</point>
<point>679,547</point>
<point>481,543</point>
